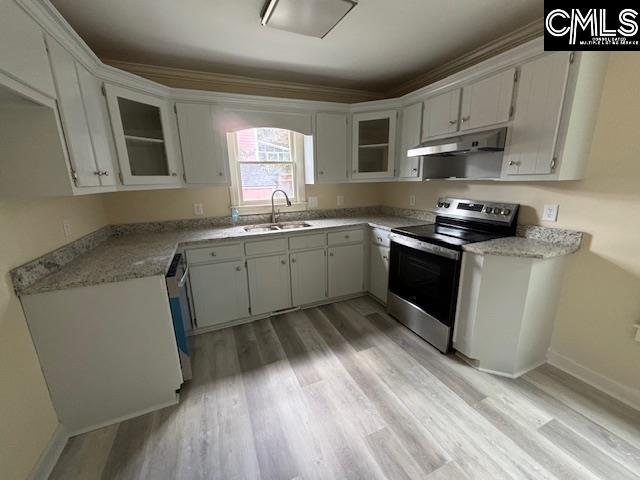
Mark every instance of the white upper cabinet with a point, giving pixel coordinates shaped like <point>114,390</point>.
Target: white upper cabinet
<point>23,55</point>
<point>374,135</point>
<point>537,117</point>
<point>331,147</point>
<point>411,126</point>
<point>84,121</point>
<point>555,115</point>
<point>488,101</point>
<point>143,133</point>
<point>95,107</point>
<point>202,145</point>
<point>441,114</point>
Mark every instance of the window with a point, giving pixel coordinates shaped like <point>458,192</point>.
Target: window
<point>263,160</point>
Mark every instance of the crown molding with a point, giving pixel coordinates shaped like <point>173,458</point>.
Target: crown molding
<point>220,82</point>
<point>507,42</point>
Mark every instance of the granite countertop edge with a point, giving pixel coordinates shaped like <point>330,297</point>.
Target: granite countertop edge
<point>146,254</point>
<point>175,241</point>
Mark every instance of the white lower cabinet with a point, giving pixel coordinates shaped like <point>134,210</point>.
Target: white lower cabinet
<point>308,276</point>
<point>269,283</point>
<point>379,272</point>
<point>346,270</point>
<point>219,292</point>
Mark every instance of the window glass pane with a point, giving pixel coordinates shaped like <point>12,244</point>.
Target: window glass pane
<point>264,145</point>
<point>260,180</point>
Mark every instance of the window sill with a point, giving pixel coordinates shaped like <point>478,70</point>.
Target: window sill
<point>257,209</point>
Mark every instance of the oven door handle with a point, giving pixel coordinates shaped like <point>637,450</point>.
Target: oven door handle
<point>424,246</point>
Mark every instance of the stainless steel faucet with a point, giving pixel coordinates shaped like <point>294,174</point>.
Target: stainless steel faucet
<point>274,215</point>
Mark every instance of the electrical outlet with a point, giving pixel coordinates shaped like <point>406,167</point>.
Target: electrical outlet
<point>198,209</point>
<point>412,200</point>
<point>340,200</point>
<point>550,213</point>
<point>312,202</point>
<point>66,228</point>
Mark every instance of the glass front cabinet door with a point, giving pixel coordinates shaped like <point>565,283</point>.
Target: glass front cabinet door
<point>374,135</point>
<point>144,138</point>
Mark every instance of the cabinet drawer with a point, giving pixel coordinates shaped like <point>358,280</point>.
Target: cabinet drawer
<point>213,253</point>
<point>307,241</point>
<point>346,236</point>
<point>380,237</point>
<point>266,246</point>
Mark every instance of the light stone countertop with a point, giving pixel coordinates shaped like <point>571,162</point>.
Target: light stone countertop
<point>521,247</point>
<point>145,250</point>
<point>140,255</point>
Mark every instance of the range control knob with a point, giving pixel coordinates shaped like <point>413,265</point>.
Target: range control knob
<point>440,204</point>
<point>447,205</point>
<point>506,211</point>
<point>488,210</point>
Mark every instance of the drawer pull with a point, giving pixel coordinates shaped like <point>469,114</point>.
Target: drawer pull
<point>283,262</point>
<point>346,236</point>
<point>213,254</point>
<point>380,239</point>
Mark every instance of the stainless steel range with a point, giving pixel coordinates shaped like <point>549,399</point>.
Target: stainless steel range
<point>425,263</point>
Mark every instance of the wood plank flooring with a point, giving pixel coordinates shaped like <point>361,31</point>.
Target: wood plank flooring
<point>343,391</point>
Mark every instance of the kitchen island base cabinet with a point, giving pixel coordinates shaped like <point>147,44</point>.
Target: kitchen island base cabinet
<point>269,283</point>
<point>346,270</point>
<point>108,352</point>
<point>308,277</point>
<point>506,311</point>
<point>219,293</point>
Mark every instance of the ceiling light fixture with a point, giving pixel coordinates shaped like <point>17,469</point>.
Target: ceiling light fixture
<point>314,18</point>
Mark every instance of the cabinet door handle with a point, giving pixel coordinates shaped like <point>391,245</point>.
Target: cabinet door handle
<point>466,119</point>
<point>213,254</point>
<point>283,262</point>
<point>321,172</point>
<point>331,254</point>
<point>174,174</point>
<point>293,260</point>
<point>238,268</point>
<point>347,237</point>
<point>512,163</point>
<point>453,122</point>
<point>105,173</point>
<point>384,257</point>
<point>220,174</point>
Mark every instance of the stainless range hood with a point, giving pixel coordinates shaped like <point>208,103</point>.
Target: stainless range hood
<point>487,141</point>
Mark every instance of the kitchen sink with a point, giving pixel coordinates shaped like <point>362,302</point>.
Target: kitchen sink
<point>292,225</point>
<point>271,227</point>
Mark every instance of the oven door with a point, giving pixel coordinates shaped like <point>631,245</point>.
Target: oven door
<point>423,288</point>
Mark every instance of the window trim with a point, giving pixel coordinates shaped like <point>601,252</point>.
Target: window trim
<point>297,155</point>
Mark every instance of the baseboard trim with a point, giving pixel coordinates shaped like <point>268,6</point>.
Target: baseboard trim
<point>627,395</point>
<point>50,455</point>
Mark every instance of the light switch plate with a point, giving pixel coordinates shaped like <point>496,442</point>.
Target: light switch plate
<point>412,200</point>
<point>550,213</point>
<point>340,200</point>
<point>312,202</point>
<point>198,209</point>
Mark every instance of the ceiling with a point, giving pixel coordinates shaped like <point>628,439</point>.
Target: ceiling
<point>379,44</point>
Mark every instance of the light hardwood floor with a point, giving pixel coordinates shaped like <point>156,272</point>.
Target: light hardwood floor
<point>343,391</point>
